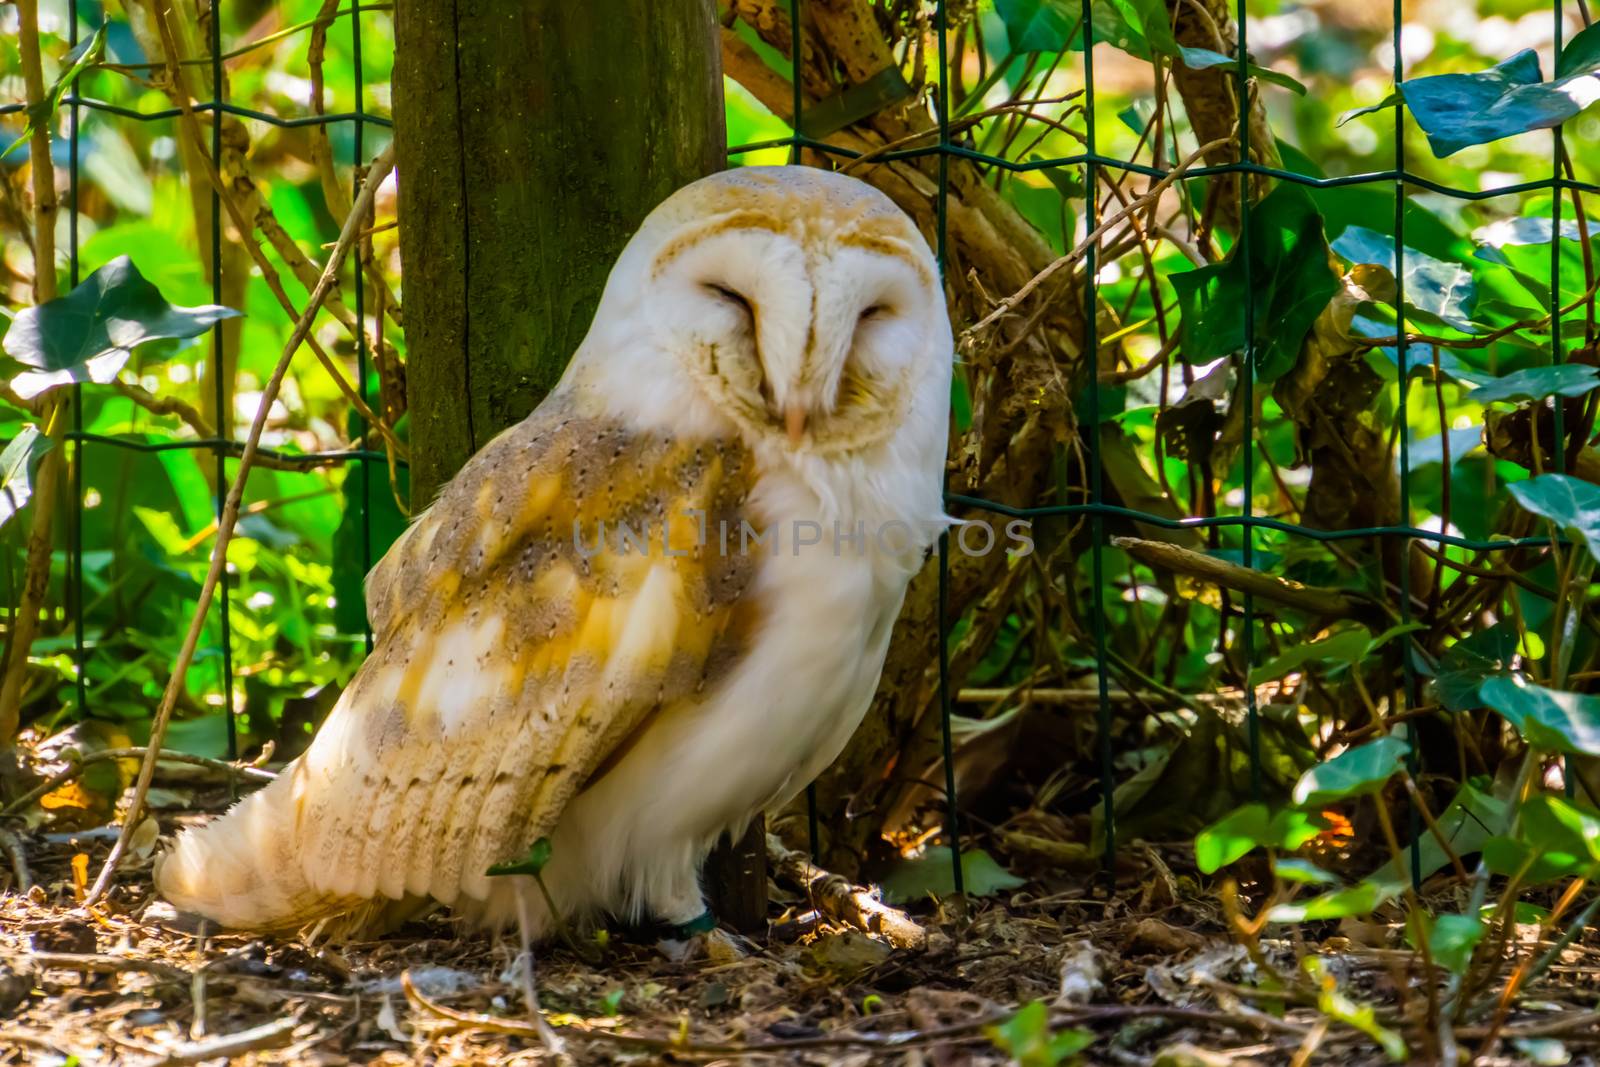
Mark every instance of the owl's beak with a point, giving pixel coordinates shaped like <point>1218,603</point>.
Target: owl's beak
<point>794,423</point>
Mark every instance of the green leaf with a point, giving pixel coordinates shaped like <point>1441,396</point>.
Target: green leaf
<point>1347,646</point>
<point>84,55</point>
<point>1470,662</point>
<point>1444,290</point>
<point>1536,383</point>
<point>1234,835</point>
<point>1143,28</point>
<point>930,875</point>
<point>1289,285</point>
<point>1363,898</point>
<point>1230,838</point>
<point>1580,54</point>
<point>1451,940</point>
<point>88,334</point>
<point>532,863</point>
<point>1037,25</point>
<point>1547,718</point>
<point>1457,110</point>
<point>1304,872</point>
<point>1553,824</point>
<point>1203,58</point>
<point>1510,857</point>
<point>1382,105</point>
<point>1462,443</point>
<point>1355,772</point>
<point>1027,1038</point>
<point>1571,504</point>
<point>1336,1005</point>
<point>16,484</point>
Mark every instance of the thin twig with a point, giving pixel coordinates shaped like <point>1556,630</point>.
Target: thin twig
<point>11,845</point>
<point>99,963</point>
<point>227,1046</point>
<point>230,516</point>
<point>1092,239</point>
<point>82,762</point>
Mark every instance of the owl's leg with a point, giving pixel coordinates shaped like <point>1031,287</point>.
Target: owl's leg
<point>687,928</point>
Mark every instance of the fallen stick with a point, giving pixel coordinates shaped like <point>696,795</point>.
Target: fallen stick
<point>845,901</point>
<point>1213,571</point>
<point>268,1035</point>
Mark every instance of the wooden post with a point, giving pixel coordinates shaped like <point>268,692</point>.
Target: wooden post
<point>532,138</point>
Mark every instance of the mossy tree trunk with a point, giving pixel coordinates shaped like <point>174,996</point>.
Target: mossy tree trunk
<point>533,136</point>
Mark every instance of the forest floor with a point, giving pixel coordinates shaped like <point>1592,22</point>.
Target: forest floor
<point>1148,976</point>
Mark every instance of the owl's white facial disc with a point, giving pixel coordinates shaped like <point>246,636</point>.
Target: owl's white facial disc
<point>800,305</point>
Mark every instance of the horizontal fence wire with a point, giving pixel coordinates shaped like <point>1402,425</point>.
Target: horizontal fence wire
<point>1096,509</point>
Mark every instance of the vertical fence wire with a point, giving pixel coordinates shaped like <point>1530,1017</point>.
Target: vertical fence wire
<point>1097,532</point>
<point>941,631</point>
<point>1409,695</point>
<point>75,537</point>
<point>219,374</point>
<point>363,469</point>
<point>796,69</point>
<point>1244,250</point>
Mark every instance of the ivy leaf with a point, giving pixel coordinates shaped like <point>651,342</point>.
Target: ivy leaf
<point>1304,872</point>
<point>533,863</point>
<point>1536,383</point>
<point>1363,898</point>
<point>1289,285</point>
<point>1581,54</point>
<point>84,55</point>
<point>1202,58</point>
<point>1570,504</point>
<point>1458,110</point>
<point>1470,662</point>
<point>930,875</point>
<point>1142,29</point>
<point>1337,1005</point>
<point>1347,646</point>
<point>1552,824</point>
<point>1036,25</point>
<point>1546,718</point>
<point>1028,1039</point>
<point>1512,858</point>
<point>16,486</point>
<point>1451,939</point>
<point>1352,773</point>
<point>1239,832</point>
<point>1431,449</point>
<point>1441,290</point>
<point>88,334</point>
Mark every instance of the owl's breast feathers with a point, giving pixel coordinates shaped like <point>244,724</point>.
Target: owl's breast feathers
<point>560,591</point>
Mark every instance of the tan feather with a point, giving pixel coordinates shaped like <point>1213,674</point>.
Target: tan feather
<point>507,667</point>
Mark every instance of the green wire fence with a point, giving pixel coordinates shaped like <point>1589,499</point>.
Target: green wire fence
<point>1097,509</point>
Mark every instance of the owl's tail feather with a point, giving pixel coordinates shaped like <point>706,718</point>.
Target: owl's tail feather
<point>241,871</point>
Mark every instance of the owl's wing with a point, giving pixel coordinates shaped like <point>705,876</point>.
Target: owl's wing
<point>513,653</point>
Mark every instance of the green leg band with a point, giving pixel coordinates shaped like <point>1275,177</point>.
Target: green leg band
<point>703,923</point>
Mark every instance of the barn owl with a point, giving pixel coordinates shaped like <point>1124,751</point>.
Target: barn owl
<point>655,607</point>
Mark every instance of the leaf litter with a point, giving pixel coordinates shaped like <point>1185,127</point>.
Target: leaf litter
<point>1047,972</point>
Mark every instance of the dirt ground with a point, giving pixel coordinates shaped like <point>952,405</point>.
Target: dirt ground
<point>1147,976</point>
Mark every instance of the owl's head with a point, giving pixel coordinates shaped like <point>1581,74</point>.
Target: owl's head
<point>801,305</point>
